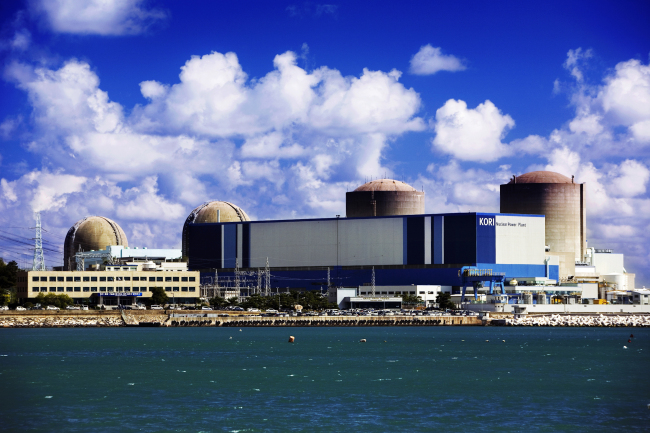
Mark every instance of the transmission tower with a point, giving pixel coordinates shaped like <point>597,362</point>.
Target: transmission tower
<point>372,282</point>
<point>267,279</point>
<point>39,261</point>
<point>237,289</point>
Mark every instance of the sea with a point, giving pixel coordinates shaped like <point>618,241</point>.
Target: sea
<point>401,379</point>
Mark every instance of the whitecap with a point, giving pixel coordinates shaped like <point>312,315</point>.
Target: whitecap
<point>48,396</point>
<point>130,383</point>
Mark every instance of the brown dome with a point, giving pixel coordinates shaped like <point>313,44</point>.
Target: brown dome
<point>91,233</point>
<point>385,185</point>
<point>541,177</point>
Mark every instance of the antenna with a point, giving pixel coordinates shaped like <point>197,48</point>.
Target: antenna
<point>39,261</point>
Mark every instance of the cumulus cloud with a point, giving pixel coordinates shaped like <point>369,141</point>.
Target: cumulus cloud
<point>472,134</point>
<point>101,17</point>
<point>430,60</point>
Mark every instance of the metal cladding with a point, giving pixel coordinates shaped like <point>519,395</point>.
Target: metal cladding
<point>212,212</point>
<point>91,233</point>
<point>384,197</point>
<point>559,199</point>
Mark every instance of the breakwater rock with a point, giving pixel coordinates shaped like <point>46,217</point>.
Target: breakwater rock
<point>60,321</point>
<point>577,320</point>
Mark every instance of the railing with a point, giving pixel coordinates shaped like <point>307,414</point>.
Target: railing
<point>481,273</point>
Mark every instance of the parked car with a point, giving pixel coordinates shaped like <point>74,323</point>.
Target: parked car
<point>271,310</point>
<point>253,310</point>
<point>3,307</point>
<point>52,307</point>
<point>84,307</point>
<point>72,307</point>
<point>155,307</point>
<point>139,307</point>
<point>19,308</point>
<point>206,308</point>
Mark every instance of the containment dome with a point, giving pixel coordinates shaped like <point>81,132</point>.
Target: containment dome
<point>91,233</point>
<point>384,197</point>
<point>212,212</point>
<point>559,199</point>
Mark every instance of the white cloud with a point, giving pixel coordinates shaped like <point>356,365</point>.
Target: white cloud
<point>430,60</point>
<point>102,17</point>
<point>472,134</point>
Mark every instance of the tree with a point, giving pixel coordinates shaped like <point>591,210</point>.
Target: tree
<point>158,296</point>
<point>232,302</point>
<point>409,299</point>
<point>8,280</point>
<point>217,302</point>
<point>444,301</point>
<point>60,301</point>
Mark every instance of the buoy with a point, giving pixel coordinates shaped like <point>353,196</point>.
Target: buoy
<point>291,339</point>
<point>487,341</point>
<point>631,335</point>
<point>624,347</point>
<point>629,341</point>
<point>240,330</point>
<point>385,341</point>
<point>503,341</point>
<point>230,338</point>
<point>363,340</point>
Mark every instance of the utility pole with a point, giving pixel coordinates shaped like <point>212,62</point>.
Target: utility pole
<point>39,261</point>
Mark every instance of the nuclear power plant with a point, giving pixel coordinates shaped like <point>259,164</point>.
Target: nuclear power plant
<point>534,252</point>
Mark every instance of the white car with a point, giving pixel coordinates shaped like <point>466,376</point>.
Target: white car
<point>271,310</point>
<point>206,308</point>
<point>3,307</point>
<point>253,310</point>
<point>72,307</point>
<point>19,308</point>
<point>139,307</point>
<point>52,307</point>
<point>156,307</point>
<point>84,307</point>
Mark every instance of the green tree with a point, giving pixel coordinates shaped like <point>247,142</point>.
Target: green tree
<point>60,301</point>
<point>409,299</point>
<point>232,302</point>
<point>217,302</point>
<point>158,296</point>
<point>444,301</point>
<point>8,273</point>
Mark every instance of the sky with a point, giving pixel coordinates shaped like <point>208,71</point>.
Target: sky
<point>141,110</point>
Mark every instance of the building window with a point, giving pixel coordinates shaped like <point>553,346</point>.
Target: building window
<point>86,278</point>
<point>183,278</point>
<point>183,289</point>
<point>34,278</point>
<point>43,289</point>
<point>176,289</point>
<point>111,278</point>
<point>127,289</point>
<point>86,289</point>
<point>77,279</point>
<point>421,293</point>
<point>51,278</point>
<point>35,289</point>
<point>127,278</point>
<point>77,289</point>
<point>168,289</point>
<point>93,289</point>
<point>59,279</point>
<point>168,278</point>
<point>59,289</point>
<point>102,289</point>
<point>68,289</point>
<point>192,289</point>
<point>118,278</point>
<point>118,289</point>
<point>412,293</point>
<point>102,278</point>
<point>159,278</point>
<point>192,279</point>
<point>152,278</point>
<point>68,278</point>
<point>136,278</point>
<point>175,278</point>
<point>93,278</point>
<point>52,289</point>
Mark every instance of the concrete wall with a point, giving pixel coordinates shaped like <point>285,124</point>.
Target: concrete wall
<point>562,308</point>
<point>383,203</point>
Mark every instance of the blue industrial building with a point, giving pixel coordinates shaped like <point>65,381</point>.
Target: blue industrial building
<point>402,249</point>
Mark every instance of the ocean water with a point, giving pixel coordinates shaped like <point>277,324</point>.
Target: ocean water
<point>402,379</point>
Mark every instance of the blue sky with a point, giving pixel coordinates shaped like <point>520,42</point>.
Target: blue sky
<point>142,110</point>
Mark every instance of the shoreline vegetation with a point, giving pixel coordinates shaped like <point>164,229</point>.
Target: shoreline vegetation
<point>56,319</point>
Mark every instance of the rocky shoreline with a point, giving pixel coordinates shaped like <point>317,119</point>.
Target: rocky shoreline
<point>163,319</point>
<point>568,320</point>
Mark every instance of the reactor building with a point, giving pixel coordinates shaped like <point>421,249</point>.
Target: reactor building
<point>91,234</point>
<point>212,212</point>
<point>384,197</point>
